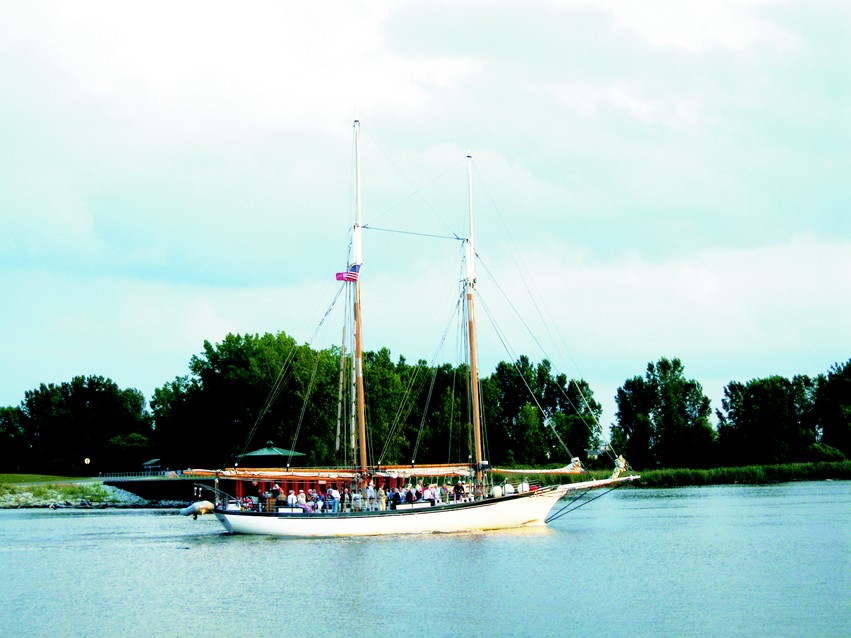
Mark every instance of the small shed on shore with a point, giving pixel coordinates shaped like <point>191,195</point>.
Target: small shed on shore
<point>152,467</point>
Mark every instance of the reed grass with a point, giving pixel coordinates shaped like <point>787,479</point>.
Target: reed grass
<point>681,477</point>
<point>749,474</point>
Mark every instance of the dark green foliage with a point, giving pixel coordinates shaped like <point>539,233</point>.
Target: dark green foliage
<point>663,419</point>
<point>533,415</point>
<point>14,445</point>
<point>833,407</point>
<point>415,413</point>
<point>202,419</point>
<point>57,427</point>
<point>819,452</point>
<point>767,421</point>
<point>633,435</point>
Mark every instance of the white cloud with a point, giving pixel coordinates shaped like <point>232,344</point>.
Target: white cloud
<point>182,70</point>
<point>733,24</point>
<point>588,101</point>
<point>174,172</point>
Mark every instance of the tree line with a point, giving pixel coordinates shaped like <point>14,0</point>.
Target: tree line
<point>533,415</point>
<point>663,419</point>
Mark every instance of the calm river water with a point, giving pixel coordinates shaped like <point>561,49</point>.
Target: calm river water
<point>712,561</point>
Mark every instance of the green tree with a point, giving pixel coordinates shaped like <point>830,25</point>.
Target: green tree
<point>533,415</point>
<point>392,434</point>
<point>833,407</point>
<point>683,433</point>
<point>511,396</point>
<point>14,447</point>
<point>663,419</point>
<point>245,384</point>
<point>78,420</point>
<point>577,418</point>
<point>633,432</point>
<point>767,421</point>
<point>178,428</point>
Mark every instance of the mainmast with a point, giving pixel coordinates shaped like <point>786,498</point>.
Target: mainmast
<point>469,285</point>
<point>357,261</point>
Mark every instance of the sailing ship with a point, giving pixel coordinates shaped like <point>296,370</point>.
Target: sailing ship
<point>462,509</point>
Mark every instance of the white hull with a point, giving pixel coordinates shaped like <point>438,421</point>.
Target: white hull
<point>517,510</point>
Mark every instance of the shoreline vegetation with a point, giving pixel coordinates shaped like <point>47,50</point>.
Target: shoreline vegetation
<point>59,492</point>
<point>745,475</point>
<point>54,492</point>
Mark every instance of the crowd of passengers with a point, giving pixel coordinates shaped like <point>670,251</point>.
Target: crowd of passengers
<point>373,498</point>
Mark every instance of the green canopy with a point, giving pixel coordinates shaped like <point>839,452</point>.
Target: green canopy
<point>269,456</point>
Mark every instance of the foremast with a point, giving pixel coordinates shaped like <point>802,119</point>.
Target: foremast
<point>357,262</point>
<point>469,287</point>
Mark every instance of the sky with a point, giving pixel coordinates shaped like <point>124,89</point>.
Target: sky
<point>669,178</point>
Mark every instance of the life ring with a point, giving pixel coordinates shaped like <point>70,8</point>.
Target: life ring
<point>247,503</point>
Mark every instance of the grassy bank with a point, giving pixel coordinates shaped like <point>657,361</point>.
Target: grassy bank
<point>17,479</point>
<point>38,490</point>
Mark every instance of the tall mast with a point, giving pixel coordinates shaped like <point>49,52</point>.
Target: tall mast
<point>469,285</point>
<point>357,262</point>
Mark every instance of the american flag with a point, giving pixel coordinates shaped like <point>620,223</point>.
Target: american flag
<point>351,274</point>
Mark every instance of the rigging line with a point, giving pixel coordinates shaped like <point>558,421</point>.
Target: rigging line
<point>599,427</point>
<point>523,271</point>
<point>423,416</point>
<point>344,390</point>
<point>567,509</point>
<point>485,439</point>
<point>340,391</point>
<point>403,411</point>
<point>310,385</point>
<point>548,420</point>
<point>465,344</point>
<point>410,232</point>
<point>406,406</point>
<point>452,317</point>
<point>284,373</point>
<point>369,447</point>
<point>451,415</point>
<point>416,190</point>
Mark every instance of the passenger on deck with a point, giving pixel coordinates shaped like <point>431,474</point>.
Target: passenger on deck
<point>301,501</point>
<point>427,495</point>
<point>382,498</point>
<point>334,499</point>
<point>291,499</point>
<point>318,501</point>
<point>395,498</point>
<point>370,496</point>
<point>459,492</point>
